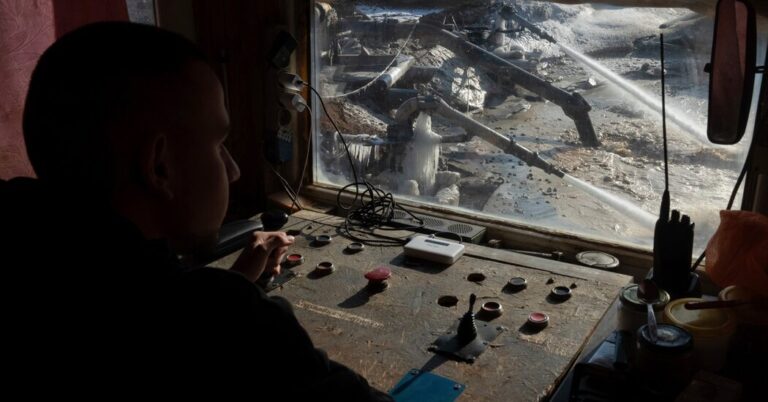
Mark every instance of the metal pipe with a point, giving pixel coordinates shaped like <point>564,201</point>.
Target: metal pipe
<point>394,73</point>
<point>573,105</point>
<point>509,13</point>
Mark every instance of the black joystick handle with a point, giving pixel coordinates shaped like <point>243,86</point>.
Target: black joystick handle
<point>467,329</point>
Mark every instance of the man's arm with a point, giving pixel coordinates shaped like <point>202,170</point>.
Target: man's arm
<point>262,255</point>
<point>333,381</point>
<point>267,344</point>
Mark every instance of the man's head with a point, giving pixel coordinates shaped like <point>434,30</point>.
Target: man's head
<point>132,116</point>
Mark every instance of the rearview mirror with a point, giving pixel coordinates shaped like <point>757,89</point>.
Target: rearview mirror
<point>732,71</point>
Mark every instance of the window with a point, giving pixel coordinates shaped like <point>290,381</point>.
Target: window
<point>430,100</point>
<point>141,11</point>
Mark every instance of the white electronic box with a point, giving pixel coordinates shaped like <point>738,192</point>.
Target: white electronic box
<point>433,249</point>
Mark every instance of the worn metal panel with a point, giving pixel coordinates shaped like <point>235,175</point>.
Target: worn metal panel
<point>384,335</point>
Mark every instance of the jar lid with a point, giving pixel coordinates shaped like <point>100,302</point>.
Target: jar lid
<point>631,300</point>
<point>597,259</point>
<point>705,322</point>
<point>670,339</point>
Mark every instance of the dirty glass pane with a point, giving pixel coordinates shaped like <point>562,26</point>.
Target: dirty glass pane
<point>539,113</point>
<point>141,11</point>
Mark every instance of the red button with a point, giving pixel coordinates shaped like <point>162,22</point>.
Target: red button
<point>538,317</point>
<point>538,320</point>
<point>379,274</point>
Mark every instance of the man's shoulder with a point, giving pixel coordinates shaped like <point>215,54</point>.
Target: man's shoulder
<point>217,282</point>
<point>21,200</point>
<point>220,292</point>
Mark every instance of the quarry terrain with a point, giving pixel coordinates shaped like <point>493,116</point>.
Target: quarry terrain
<point>607,55</point>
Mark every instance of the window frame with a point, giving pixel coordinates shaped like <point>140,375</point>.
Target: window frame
<point>635,259</point>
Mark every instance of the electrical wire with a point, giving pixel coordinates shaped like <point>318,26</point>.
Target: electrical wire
<point>306,158</point>
<point>458,236</point>
<point>731,200</point>
<point>346,148</point>
<point>664,115</point>
<point>283,182</point>
<point>287,188</point>
<point>372,208</point>
<point>294,194</point>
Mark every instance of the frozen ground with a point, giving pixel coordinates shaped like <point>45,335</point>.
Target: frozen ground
<point>628,164</point>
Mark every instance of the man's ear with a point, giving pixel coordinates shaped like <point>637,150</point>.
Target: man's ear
<point>156,167</point>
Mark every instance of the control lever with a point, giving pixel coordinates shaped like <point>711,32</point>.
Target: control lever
<point>467,338</point>
<point>467,328</point>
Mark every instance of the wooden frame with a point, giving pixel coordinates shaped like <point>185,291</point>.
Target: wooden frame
<point>244,30</point>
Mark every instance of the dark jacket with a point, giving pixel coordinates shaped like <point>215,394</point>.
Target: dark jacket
<point>91,308</point>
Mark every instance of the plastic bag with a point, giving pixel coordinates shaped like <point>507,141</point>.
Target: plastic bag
<point>737,254</point>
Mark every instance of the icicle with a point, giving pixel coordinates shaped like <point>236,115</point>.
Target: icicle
<point>422,155</point>
<point>361,154</point>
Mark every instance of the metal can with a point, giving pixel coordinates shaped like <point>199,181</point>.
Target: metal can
<point>666,364</point>
<point>633,312</point>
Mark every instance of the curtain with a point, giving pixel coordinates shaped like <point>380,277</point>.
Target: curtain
<point>27,28</point>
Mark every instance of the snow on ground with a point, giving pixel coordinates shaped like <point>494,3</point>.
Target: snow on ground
<point>628,164</point>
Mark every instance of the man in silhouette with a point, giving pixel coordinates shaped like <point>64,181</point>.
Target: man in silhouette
<point>125,127</point>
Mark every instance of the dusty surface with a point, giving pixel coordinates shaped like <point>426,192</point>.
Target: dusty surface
<point>383,336</point>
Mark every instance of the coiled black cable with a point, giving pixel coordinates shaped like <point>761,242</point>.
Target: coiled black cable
<point>372,208</point>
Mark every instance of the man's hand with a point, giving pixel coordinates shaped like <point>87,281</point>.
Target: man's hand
<point>263,254</point>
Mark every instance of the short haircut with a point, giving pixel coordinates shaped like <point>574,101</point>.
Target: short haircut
<point>87,82</point>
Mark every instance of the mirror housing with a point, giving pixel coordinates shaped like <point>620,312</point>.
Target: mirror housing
<point>732,71</point>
